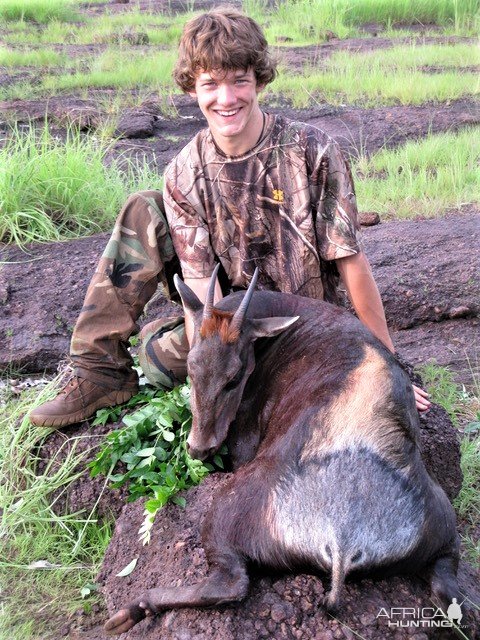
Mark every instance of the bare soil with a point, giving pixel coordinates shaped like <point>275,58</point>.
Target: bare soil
<point>427,271</point>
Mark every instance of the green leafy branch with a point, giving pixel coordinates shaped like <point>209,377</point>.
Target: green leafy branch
<point>151,451</point>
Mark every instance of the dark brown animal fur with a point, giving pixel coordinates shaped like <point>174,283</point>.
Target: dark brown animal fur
<point>322,430</point>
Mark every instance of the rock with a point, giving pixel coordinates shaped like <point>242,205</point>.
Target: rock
<point>461,312</point>
<point>330,35</point>
<point>85,119</point>
<point>278,613</point>
<point>4,292</point>
<point>127,36</point>
<point>135,125</point>
<point>36,339</point>
<point>426,264</point>
<point>368,219</point>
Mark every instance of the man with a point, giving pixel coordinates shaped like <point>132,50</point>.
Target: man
<point>253,189</point>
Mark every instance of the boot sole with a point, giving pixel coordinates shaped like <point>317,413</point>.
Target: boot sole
<point>56,422</point>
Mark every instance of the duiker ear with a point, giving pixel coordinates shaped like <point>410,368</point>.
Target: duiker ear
<point>269,327</point>
<point>189,299</point>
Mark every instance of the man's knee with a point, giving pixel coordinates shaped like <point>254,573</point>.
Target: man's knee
<point>163,352</point>
<point>146,198</point>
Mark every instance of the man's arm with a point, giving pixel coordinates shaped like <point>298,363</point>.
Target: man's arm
<point>199,286</point>
<point>363,292</point>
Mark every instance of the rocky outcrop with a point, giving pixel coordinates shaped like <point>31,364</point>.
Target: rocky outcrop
<point>427,272</point>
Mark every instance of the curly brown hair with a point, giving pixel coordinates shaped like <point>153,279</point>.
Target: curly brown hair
<point>225,39</point>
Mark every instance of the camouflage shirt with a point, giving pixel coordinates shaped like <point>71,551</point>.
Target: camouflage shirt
<point>287,206</point>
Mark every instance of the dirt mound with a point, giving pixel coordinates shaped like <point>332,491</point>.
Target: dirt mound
<point>277,606</point>
<point>85,494</point>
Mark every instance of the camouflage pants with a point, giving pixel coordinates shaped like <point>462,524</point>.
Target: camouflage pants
<point>133,264</point>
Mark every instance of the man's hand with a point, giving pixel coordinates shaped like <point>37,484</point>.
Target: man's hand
<point>421,399</point>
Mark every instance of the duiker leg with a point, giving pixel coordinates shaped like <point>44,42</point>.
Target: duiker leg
<point>227,581</point>
<point>443,580</point>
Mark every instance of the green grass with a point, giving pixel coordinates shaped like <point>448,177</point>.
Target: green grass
<point>308,21</point>
<point>52,189</point>
<point>441,12</point>
<point>160,29</point>
<point>385,77</point>
<point>34,600</point>
<point>32,58</point>
<point>118,70</point>
<point>410,56</point>
<point>55,32</point>
<point>41,11</point>
<point>463,407</point>
<point>112,69</point>
<point>421,178</point>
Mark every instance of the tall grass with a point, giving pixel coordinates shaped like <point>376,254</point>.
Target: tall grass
<point>160,29</point>
<point>372,88</point>
<point>441,12</point>
<point>387,77</point>
<point>410,56</point>
<point>41,11</point>
<point>421,178</point>
<point>310,20</point>
<point>51,189</point>
<point>70,547</point>
<point>117,69</point>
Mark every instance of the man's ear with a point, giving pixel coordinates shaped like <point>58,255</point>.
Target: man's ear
<point>269,327</point>
<point>192,94</point>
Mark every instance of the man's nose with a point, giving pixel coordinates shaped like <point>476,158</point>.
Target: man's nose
<point>226,94</point>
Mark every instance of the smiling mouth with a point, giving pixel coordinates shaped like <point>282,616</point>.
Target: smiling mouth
<point>228,114</point>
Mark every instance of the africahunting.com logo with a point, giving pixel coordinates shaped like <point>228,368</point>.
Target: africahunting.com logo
<point>422,617</point>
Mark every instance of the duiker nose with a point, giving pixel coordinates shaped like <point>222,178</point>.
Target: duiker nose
<point>199,454</point>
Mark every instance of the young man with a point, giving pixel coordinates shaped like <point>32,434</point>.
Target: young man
<point>251,190</point>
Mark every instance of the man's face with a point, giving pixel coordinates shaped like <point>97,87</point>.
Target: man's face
<point>229,102</point>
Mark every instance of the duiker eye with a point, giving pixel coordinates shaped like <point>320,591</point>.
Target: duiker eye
<point>234,382</point>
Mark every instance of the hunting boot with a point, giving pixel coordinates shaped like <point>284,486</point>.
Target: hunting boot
<point>79,400</point>
<point>125,279</point>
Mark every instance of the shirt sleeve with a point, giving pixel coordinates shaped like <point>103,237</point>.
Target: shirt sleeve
<point>337,226</point>
<point>188,228</point>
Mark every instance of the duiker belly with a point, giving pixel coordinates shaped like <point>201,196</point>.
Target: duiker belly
<point>350,507</point>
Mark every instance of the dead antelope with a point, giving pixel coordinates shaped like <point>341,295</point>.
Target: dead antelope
<point>322,429</point>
